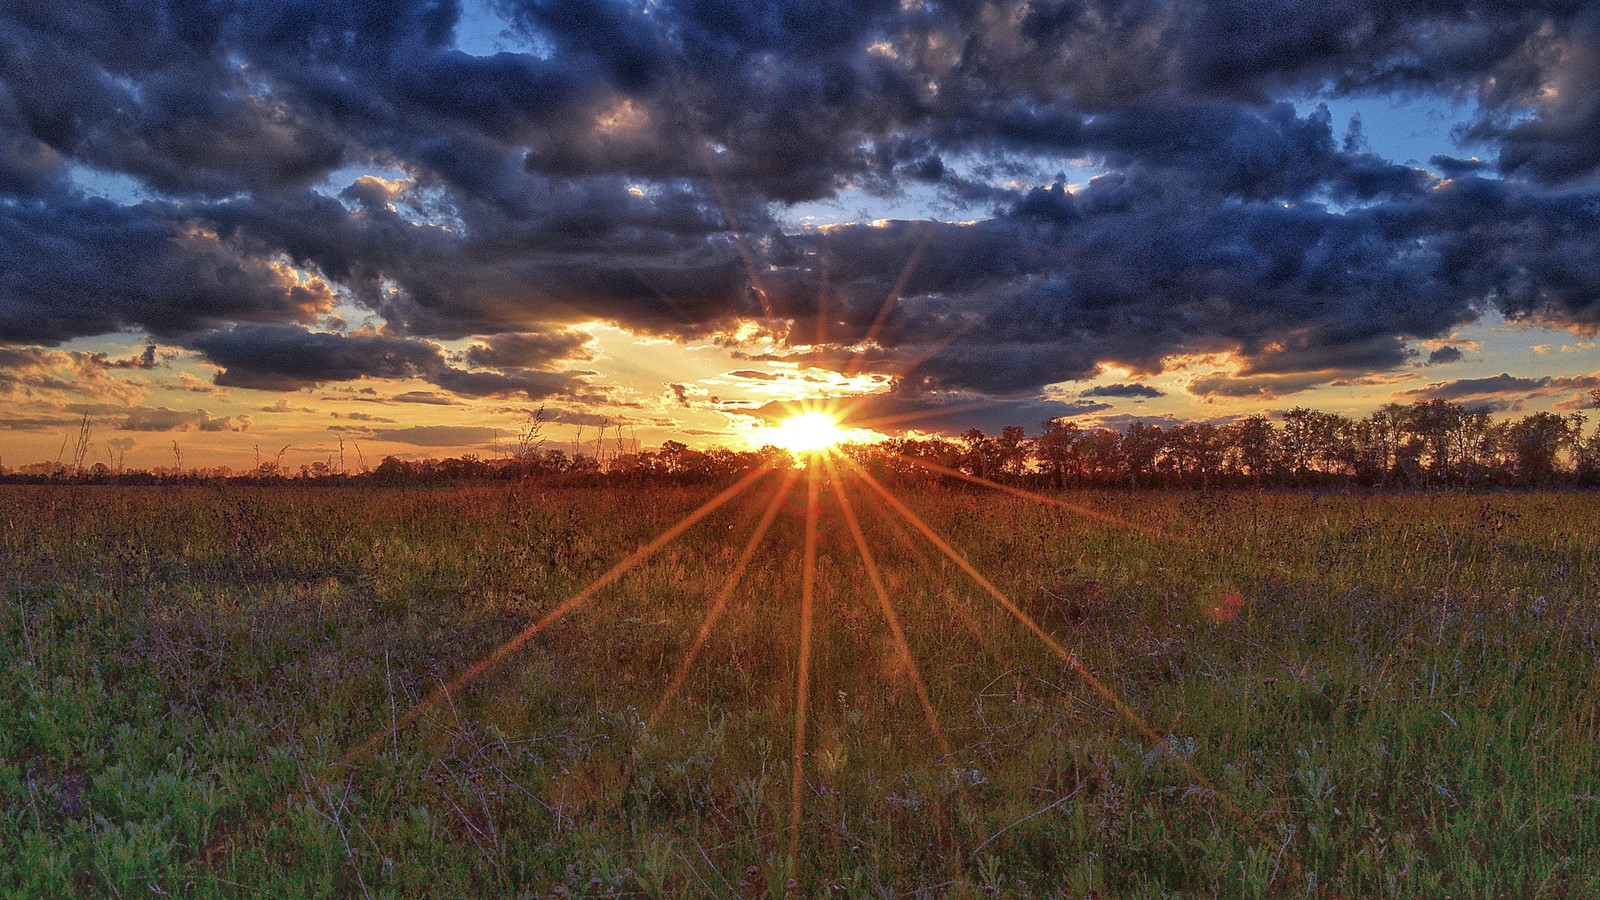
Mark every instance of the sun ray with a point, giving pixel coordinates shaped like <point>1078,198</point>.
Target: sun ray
<point>901,418</point>
<point>1080,509</point>
<point>550,618</point>
<point>822,307</point>
<point>894,294</point>
<point>802,684</point>
<point>907,540</point>
<point>661,295</point>
<point>955,556</point>
<point>225,837</point>
<point>849,408</point>
<point>1105,692</point>
<point>702,148</point>
<point>886,607</point>
<point>721,602</point>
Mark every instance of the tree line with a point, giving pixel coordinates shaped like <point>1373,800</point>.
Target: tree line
<point>1424,444</point>
<point>1427,443</point>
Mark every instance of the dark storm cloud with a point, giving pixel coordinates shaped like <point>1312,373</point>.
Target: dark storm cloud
<point>1445,355</point>
<point>1255,386</point>
<point>958,412</point>
<point>631,164</point>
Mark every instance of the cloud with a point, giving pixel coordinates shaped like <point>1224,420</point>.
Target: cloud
<point>81,266</point>
<point>1264,386</point>
<point>563,416</point>
<point>1122,421</point>
<point>161,418</point>
<point>1123,390</point>
<point>636,167</point>
<point>1502,385</point>
<point>431,398</point>
<point>145,360</point>
<point>287,358</point>
<point>1444,355</point>
<point>438,435</point>
<point>910,409</point>
<point>529,350</point>
<point>41,373</point>
<point>533,384</point>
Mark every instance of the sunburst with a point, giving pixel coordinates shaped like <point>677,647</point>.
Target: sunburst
<point>807,434</point>
<point>812,434</point>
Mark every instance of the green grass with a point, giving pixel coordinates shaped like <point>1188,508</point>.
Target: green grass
<point>1405,704</point>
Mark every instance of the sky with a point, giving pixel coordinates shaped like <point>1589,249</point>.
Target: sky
<point>297,228</point>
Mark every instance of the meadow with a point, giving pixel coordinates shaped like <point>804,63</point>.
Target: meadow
<point>235,691</point>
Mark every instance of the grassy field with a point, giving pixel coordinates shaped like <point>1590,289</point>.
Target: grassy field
<point>1355,695</point>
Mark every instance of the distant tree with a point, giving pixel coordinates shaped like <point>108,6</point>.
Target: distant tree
<point>1195,452</point>
<point>1101,451</point>
<point>1011,450</point>
<point>1588,450</point>
<point>672,456</point>
<point>979,458</point>
<point>1386,437</point>
<point>1476,440</point>
<point>1435,424</point>
<point>1536,440</point>
<point>1142,445</point>
<point>1309,442</point>
<point>1253,445</point>
<point>393,470</point>
<point>1058,453</point>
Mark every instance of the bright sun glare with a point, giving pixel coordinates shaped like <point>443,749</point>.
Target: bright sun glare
<point>805,433</point>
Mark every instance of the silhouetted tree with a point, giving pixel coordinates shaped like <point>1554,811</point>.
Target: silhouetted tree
<point>1254,443</point>
<point>1102,455</point>
<point>1058,451</point>
<point>1536,440</point>
<point>1142,445</point>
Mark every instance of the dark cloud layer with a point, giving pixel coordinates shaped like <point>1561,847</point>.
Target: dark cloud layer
<point>634,164</point>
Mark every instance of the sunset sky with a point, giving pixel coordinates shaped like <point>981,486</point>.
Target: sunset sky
<point>234,225</point>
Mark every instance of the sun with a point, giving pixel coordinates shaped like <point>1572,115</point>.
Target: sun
<point>807,433</point>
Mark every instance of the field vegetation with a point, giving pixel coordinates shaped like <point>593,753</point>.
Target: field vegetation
<point>234,690</point>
